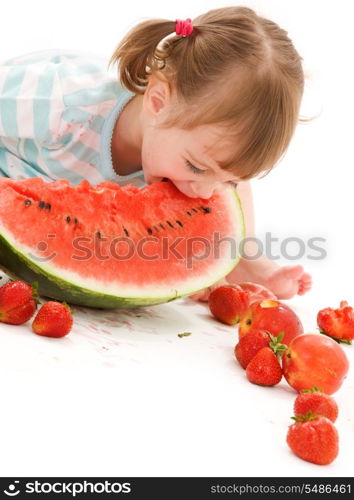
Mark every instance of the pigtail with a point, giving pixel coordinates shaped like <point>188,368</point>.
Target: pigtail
<point>137,55</point>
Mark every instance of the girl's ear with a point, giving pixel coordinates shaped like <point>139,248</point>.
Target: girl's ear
<point>156,96</point>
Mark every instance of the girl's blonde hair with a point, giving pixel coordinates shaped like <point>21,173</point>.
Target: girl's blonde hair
<point>236,70</point>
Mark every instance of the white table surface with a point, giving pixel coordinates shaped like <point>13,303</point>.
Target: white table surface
<point>123,395</point>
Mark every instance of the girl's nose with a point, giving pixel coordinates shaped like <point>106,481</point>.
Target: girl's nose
<point>204,190</point>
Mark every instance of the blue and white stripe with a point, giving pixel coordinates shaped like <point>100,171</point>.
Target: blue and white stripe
<point>57,114</point>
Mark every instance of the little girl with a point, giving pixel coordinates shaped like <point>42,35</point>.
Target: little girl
<point>216,102</point>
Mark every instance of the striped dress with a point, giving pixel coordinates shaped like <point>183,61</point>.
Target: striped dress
<point>57,114</point>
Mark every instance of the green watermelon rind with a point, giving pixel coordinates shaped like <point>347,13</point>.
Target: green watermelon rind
<point>54,287</point>
<point>50,285</point>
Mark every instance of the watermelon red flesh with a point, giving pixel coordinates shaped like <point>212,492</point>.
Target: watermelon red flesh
<point>107,245</point>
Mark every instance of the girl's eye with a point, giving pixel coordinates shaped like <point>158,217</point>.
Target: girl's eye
<point>233,184</point>
<point>194,169</point>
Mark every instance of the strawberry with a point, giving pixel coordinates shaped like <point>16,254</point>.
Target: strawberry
<point>18,301</point>
<point>228,303</point>
<point>249,345</point>
<point>316,401</point>
<point>337,323</point>
<point>54,319</point>
<point>313,438</point>
<point>264,368</point>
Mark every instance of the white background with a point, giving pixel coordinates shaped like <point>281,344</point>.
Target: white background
<point>142,401</point>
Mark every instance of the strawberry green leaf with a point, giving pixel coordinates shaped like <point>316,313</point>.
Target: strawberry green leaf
<point>184,334</point>
<point>280,336</point>
<point>313,389</point>
<point>35,292</point>
<point>275,344</point>
<point>305,418</point>
<point>343,341</point>
<point>68,307</point>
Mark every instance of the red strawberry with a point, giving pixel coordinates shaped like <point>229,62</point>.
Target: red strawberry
<point>317,402</point>
<point>249,345</point>
<point>337,323</point>
<point>228,303</point>
<point>264,368</point>
<point>54,319</point>
<point>18,301</point>
<point>313,438</point>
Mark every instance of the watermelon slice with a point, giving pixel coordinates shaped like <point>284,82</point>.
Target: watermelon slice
<point>109,246</point>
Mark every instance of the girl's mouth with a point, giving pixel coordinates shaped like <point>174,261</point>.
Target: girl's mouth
<point>186,192</point>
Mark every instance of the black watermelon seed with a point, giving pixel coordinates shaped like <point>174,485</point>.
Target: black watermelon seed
<point>156,228</point>
<point>190,215</point>
<point>98,234</point>
<point>207,210</point>
<point>195,210</point>
<point>126,232</point>
<point>41,204</point>
<point>179,222</point>
<point>169,223</point>
<point>75,220</point>
<point>161,225</point>
<point>68,219</point>
<point>149,231</point>
<point>47,206</point>
<point>28,203</point>
<point>164,179</point>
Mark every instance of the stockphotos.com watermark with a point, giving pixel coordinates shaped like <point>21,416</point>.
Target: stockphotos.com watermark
<point>74,488</point>
<point>186,249</point>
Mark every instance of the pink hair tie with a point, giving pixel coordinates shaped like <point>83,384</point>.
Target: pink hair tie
<point>184,28</point>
